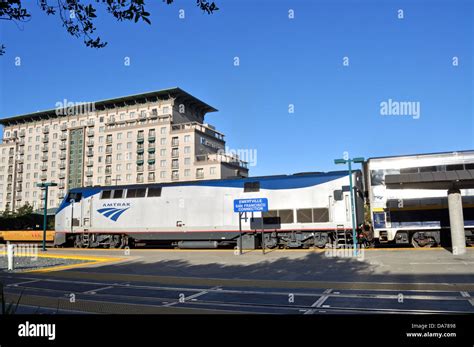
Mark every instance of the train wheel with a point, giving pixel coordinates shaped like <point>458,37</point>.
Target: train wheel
<point>115,241</point>
<point>426,242</point>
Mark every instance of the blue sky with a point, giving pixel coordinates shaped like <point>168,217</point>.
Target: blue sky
<point>282,61</point>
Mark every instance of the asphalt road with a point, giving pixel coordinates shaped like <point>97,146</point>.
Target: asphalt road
<point>51,294</point>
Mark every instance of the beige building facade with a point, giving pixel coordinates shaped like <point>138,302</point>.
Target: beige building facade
<point>145,138</point>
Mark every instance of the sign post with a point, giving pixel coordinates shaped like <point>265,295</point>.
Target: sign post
<point>242,206</point>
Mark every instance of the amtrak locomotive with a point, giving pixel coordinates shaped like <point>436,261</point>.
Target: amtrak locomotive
<point>304,210</point>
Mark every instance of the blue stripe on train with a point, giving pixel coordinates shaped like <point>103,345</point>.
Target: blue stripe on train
<point>269,182</point>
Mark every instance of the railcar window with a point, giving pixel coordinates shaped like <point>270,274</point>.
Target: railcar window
<point>141,192</point>
<point>106,194</point>
<point>251,187</point>
<point>286,216</point>
<point>270,214</point>
<point>469,166</point>
<point>74,196</point>
<point>118,194</point>
<point>154,192</point>
<point>320,215</point>
<point>338,195</point>
<point>428,169</point>
<point>131,193</point>
<point>409,170</point>
<point>454,167</point>
<point>304,215</point>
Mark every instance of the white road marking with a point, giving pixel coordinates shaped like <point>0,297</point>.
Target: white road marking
<point>319,302</point>
<point>94,291</point>
<point>21,283</point>
<point>191,297</point>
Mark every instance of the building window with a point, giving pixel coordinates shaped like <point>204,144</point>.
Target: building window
<point>163,174</point>
<point>187,138</point>
<point>212,170</point>
<point>187,150</point>
<point>200,173</point>
<point>187,172</point>
<point>163,130</point>
<point>163,163</point>
<point>187,161</point>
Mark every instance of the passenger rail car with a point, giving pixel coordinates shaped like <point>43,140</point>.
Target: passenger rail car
<point>304,210</point>
<point>416,216</point>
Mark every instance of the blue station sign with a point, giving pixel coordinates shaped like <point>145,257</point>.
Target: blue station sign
<point>251,205</point>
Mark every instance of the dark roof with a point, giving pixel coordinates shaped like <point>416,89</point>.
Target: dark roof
<point>180,95</point>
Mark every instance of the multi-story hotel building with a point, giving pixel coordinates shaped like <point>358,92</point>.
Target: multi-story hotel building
<point>146,138</point>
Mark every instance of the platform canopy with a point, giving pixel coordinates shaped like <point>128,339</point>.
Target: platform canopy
<point>458,179</point>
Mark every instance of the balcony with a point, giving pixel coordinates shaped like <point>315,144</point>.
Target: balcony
<point>175,166</point>
<point>10,170</point>
<point>140,138</point>
<point>21,142</point>
<point>19,178</point>
<point>62,146</point>
<point>62,166</point>
<point>18,196</point>
<point>45,130</point>
<point>140,161</point>
<point>43,177</point>
<point>140,149</point>
<point>90,123</point>
<point>142,116</point>
<point>62,155</point>
<point>10,161</point>
<point>19,188</point>
<point>61,195</point>
<point>63,137</point>
<point>151,138</point>
<point>110,121</point>
<point>44,158</point>
<point>89,163</point>
<point>175,142</point>
<point>108,171</point>
<point>90,133</point>
<point>44,148</point>
<point>139,179</point>
<point>174,154</point>
<point>61,185</point>
<point>62,175</point>
<point>108,140</point>
<point>222,158</point>
<point>20,160</point>
<point>186,127</point>
<point>108,150</point>
<point>89,183</point>
<point>151,178</point>
<point>151,168</point>
<point>199,174</point>
<point>45,139</point>
<point>90,153</point>
<point>44,167</point>
<point>140,168</point>
<point>151,161</point>
<point>89,173</point>
<point>153,114</point>
<point>63,127</point>
<point>20,169</point>
<point>22,133</point>
<point>175,177</point>
<point>90,143</point>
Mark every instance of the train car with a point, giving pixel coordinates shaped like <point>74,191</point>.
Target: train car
<point>304,210</point>
<point>416,216</point>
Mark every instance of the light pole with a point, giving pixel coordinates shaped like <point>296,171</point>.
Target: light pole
<point>45,186</point>
<point>349,162</point>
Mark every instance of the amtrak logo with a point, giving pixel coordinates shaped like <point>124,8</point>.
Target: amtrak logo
<point>113,213</point>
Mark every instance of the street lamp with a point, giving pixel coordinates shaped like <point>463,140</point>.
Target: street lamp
<point>45,186</point>
<point>349,164</point>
